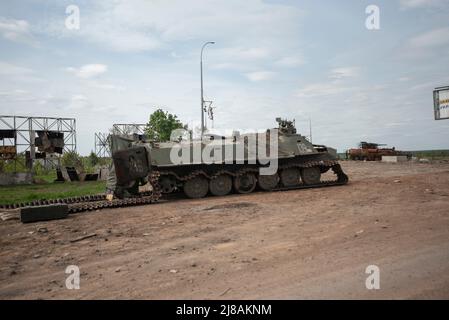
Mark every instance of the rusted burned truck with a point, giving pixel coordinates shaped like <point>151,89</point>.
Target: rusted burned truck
<point>370,151</point>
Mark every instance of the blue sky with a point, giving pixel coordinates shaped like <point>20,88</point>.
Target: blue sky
<point>294,59</point>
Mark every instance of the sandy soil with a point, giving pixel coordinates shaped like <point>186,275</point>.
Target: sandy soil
<point>312,243</point>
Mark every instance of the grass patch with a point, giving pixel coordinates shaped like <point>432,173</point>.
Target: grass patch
<point>45,177</point>
<point>432,154</point>
<point>26,193</point>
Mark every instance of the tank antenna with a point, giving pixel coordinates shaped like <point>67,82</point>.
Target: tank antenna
<point>310,129</point>
<point>202,97</point>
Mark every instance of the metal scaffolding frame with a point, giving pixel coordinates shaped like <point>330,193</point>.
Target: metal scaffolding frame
<point>24,128</point>
<point>102,144</point>
<point>102,149</point>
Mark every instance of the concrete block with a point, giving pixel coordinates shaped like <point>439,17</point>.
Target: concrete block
<point>103,173</point>
<point>394,158</point>
<point>7,179</point>
<point>42,213</point>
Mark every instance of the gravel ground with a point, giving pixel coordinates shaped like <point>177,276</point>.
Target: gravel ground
<point>298,244</point>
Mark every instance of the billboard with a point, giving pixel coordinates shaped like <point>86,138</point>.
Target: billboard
<point>441,103</point>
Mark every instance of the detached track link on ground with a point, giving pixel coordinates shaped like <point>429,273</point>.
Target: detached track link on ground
<point>138,200</point>
<point>69,201</point>
<point>44,202</point>
<point>96,202</point>
<point>116,203</point>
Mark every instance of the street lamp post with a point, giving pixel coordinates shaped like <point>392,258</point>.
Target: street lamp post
<point>202,97</point>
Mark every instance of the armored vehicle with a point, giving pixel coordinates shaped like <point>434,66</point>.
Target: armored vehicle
<point>276,159</point>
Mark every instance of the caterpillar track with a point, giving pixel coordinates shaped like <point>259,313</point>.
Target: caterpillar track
<point>236,171</point>
<point>139,200</point>
<point>99,201</point>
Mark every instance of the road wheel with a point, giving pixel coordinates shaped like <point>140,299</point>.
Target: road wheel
<point>245,183</point>
<point>290,177</point>
<point>167,184</point>
<point>311,175</point>
<point>196,187</point>
<point>268,182</point>
<point>221,185</point>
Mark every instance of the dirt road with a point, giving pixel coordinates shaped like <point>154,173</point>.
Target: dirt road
<point>312,243</point>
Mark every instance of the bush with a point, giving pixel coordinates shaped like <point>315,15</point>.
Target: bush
<point>93,159</point>
<point>72,159</point>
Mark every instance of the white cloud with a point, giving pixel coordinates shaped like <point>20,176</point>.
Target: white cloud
<point>433,38</point>
<point>16,95</point>
<point>11,69</point>
<point>346,72</point>
<point>245,59</point>
<point>16,30</point>
<point>322,89</point>
<point>89,70</point>
<point>123,40</point>
<point>15,92</point>
<point>260,75</point>
<point>411,4</point>
<point>79,97</point>
<point>78,102</point>
<point>292,61</point>
<point>244,53</point>
<point>139,25</point>
<point>394,124</point>
<point>107,86</point>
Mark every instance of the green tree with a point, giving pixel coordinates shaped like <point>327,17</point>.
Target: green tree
<point>161,125</point>
<point>93,159</point>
